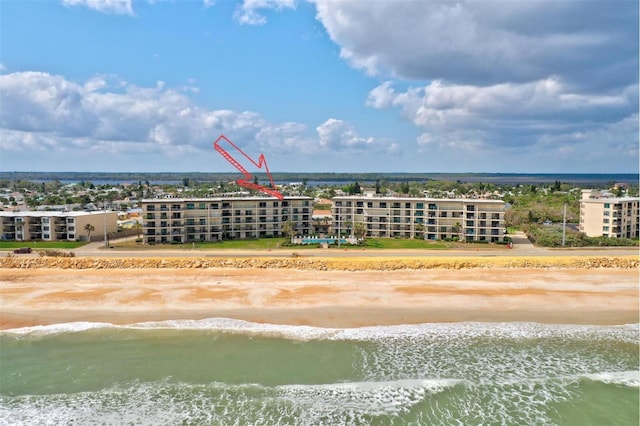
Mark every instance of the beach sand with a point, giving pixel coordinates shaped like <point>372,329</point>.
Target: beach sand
<point>332,298</point>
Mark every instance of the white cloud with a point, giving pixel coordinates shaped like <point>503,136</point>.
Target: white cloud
<point>105,114</point>
<point>504,115</point>
<point>249,12</point>
<point>338,135</point>
<point>488,42</point>
<point>119,7</point>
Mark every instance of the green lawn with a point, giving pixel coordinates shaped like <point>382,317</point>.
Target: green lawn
<point>276,243</point>
<point>402,243</point>
<point>12,245</point>
<point>260,244</point>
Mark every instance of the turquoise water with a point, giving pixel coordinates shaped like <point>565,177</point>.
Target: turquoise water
<point>226,372</point>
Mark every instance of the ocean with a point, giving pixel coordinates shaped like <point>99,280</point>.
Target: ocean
<point>230,372</point>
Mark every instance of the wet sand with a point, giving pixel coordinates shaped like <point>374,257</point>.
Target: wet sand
<point>332,298</point>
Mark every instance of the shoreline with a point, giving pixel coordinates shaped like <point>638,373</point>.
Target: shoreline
<point>334,298</point>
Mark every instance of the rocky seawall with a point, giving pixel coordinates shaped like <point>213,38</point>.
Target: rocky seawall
<point>326,264</point>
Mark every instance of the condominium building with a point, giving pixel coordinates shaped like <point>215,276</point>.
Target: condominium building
<point>433,219</point>
<point>602,216</point>
<point>181,220</point>
<point>56,226</point>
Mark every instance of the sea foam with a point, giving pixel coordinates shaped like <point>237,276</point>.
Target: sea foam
<point>512,330</point>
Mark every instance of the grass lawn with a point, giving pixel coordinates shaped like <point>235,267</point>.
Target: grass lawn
<point>402,243</point>
<point>277,243</point>
<point>259,244</point>
<point>408,244</point>
<point>12,245</point>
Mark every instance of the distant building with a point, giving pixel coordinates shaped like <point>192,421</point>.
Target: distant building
<point>184,220</point>
<point>55,226</point>
<point>602,215</point>
<point>428,218</point>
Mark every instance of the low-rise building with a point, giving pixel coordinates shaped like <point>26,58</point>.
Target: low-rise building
<point>56,226</point>
<point>184,220</point>
<point>428,218</point>
<point>602,215</point>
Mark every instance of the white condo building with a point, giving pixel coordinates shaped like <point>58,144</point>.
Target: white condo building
<point>56,226</point>
<point>433,219</point>
<point>184,220</point>
<point>603,216</point>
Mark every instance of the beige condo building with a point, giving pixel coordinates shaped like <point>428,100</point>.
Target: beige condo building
<point>56,226</point>
<point>433,219</point>
<point>602,216</point>
<point>184,220</point>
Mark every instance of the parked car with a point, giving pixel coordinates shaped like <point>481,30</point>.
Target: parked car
<point>22,250</point>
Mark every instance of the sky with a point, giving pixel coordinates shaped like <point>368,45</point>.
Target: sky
<point>528,86</point>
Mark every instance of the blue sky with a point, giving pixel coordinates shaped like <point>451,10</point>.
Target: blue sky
<point>326,86</point>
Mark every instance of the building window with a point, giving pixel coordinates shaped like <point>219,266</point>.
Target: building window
<point>607,205</point>
<point>605,229</point>
<point>190,206</point>
<point>202,206</point>
<point>606,213</point>
<point>605,221</point>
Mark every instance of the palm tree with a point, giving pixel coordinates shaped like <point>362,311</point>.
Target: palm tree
<point>419,227</point>
<point>288,229</point>
<point>359,230</point>
<point>138,227</point>
<point>89,228</point>
<point>456,229</point>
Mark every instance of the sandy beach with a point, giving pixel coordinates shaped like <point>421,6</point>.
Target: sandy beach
<point>326,298</point>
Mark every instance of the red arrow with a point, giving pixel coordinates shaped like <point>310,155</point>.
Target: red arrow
<point>246,181</point>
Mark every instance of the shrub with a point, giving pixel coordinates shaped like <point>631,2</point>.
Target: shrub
<point>56,253</point>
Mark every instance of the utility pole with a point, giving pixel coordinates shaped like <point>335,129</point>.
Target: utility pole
<point>104,222</point>
<point>564,223</point>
